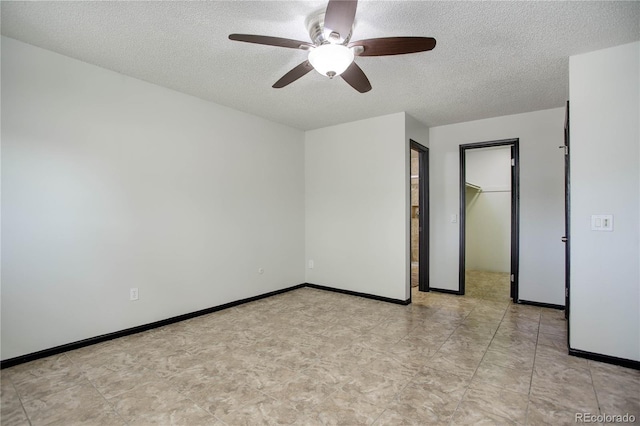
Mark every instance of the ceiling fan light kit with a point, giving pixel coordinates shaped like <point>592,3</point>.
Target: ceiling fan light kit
<point>332,53</point>
<point>331,59</point>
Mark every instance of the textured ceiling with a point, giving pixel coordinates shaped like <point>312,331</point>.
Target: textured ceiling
<point>492,58</point>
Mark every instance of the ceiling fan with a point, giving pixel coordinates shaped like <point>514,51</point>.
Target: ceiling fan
<point>331,53</point>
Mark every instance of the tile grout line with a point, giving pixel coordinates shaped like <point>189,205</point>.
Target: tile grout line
<point>24,410</point>
<point>535,354</point>
<point>412,377</point>
<point>445,341</point>
<point>417,372</point>
<point>467,388</point>
<point>483,356</point>
<point>83,375</point>
<point>97,390</point>
<point>594,388</point>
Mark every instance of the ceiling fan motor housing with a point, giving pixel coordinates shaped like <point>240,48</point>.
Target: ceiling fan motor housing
<point>317,33</point>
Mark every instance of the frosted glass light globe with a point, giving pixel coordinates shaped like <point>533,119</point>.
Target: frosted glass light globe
<point>331,59</point>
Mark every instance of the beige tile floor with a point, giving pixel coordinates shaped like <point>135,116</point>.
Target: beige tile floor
<point>415,269</point>
<point>487,285</point>
<point>313,357</point>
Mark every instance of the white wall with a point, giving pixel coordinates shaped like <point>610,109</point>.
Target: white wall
<point>109,183</point>
<point>416,131</point>
<point>488,227</point>
<point>357,206</point>
<point>489,168</point>
<point>541,199</point>
<point>605,179</point>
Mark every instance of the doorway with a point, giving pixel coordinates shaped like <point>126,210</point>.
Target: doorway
<point>419,178</point>
<point>489,219</point>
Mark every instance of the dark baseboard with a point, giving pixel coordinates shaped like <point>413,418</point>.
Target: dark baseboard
<point>541,305</point>
<point>446,291</point>
<point>622,362</point>
<point>133,330</point>
<point>365,295</point>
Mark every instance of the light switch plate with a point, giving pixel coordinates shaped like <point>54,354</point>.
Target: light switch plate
<point>602,222</point>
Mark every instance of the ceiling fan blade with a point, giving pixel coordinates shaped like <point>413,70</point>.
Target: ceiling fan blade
<point>339,17</point>
<point>270,41</point>
<point>394,45</point>
<point>356,78</point>
<point>293,75</point>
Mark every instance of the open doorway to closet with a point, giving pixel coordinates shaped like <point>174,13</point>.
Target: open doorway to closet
<point>489,217</point>
<point>419,216</point>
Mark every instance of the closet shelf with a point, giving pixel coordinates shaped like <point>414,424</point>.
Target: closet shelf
<point>472,186</point>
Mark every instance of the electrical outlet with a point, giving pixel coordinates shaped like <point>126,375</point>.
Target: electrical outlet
<point>311,264</point>
<point>133,293</point>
